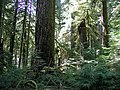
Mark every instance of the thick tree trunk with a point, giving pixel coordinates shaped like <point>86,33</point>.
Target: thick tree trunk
<point>12,38</point>
<point>105,24</point>
<point>45,28</point>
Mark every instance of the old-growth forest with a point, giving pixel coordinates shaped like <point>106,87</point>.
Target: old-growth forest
<point>59,44</point>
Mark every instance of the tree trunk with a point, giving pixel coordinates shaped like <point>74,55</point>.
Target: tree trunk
<point>83,38</point>
<point>28,36</point>
<point>59,27</point>
<point>45,28</point>
<point>83,34</point>
<point>59,17</point>
<point>12,38</point>
<point>1,40</point>
<point>72,37</point>
<point>100,30</point>
<point>1,2</point>
<point>23,38</point>
<point>105,24</point>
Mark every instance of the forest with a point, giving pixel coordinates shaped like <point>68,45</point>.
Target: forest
<point>59,44</point>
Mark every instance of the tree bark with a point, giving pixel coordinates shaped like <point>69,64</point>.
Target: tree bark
<point>72,37</point>
<point>83,38</point>
<point>23,38</point>
<point>105,24</point>
<point>28,37</point>
<point>45,28</point>
<point>83,34</point>
<point>12,38</point>
<point>59,17</point>
<point>1,40</point>
<point>1,2</point>
<point>100,30</point>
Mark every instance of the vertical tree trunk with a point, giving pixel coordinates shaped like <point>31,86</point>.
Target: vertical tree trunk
<point>100,30</point>
<point>83,34</point>
<point>28,36</point>
<point>1,2</point>
<point>45,28</point>
<point>105,24</point>
<point>59,27</point>
<point>23,38</point>
<point>59,17</point>
<point>72,36</point>
<point>83,37</point>
<point>24,51</point>
<point>1,40</point>
<point>12,38</point>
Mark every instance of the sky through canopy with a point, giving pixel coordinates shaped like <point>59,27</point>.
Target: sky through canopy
<point>30,7</point>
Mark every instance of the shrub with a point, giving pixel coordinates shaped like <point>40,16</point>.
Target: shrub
<point>92,77</point>
<point>10,78</point>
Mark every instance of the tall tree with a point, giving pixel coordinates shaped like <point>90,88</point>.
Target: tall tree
<point>1,40</point>
<point>12,37</point>
<point>82,34</point>
<point>0,13</point>
<point>45,28</point>
<point>23,37</point>
<point>83,37</point>
<point>1,2</point>
<point>105,23</point>
<point>28,37</point>
<point>100,29</point>
<point>59,17</point>
<point>72,33</point>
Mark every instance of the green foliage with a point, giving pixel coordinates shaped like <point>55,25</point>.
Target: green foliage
<point>10,78</point>
<point>89,54</point>
<point>92,77</point>
<point>17,79</point>
<point>25,84</point>
<point>50,77</point>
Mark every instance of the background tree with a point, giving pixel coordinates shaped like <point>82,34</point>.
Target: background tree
<point>23,38</point>
<point>105,23</point>
<point>1,40</point>
<point>12,38</point>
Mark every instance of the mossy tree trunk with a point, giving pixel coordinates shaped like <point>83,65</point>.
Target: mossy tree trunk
<point>45,28</point>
